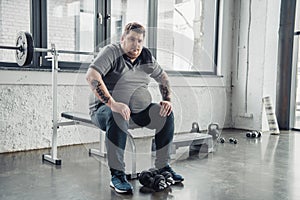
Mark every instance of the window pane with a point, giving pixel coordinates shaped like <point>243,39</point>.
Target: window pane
<point>125,11</point>
<point>71,27</point>
<point>11,22</point>
<point>186,34</point>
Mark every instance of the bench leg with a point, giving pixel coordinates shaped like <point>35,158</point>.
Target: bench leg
<point>210,145</point>
<point>52,157</point>
<point>102,150</point>
<point>133,174</point>
<point>205,147</point>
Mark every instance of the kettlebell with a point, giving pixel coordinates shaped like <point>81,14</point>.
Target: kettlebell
<point>213,130</point>
<point>195,128</point>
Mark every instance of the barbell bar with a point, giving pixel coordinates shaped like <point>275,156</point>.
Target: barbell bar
<point>25,49</point>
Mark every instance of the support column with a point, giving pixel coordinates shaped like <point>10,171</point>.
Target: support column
<point>285,60</point>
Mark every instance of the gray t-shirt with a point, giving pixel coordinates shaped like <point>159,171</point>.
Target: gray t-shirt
<point>127,82</point>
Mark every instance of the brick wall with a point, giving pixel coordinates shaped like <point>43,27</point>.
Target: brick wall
<point>12,20</point>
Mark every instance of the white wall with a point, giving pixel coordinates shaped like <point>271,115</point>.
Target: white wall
<point>26,110</point>
<point>255,48</point>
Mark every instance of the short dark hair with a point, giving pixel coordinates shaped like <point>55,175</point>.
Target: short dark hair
<point>136,27</point>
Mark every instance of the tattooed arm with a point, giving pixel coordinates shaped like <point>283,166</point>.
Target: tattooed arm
<point>165,90</point>
<point>164,86</point>
<point>99,88</point>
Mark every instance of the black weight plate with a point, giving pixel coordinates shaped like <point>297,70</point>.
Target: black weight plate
<point>25,54</point>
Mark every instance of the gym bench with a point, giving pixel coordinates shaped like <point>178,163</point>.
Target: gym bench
<point>85,120</point>
<point>192,139</point>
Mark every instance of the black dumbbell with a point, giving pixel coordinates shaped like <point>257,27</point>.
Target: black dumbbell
<point>259,134</point>
<point>154,171</point>
<point>233,140</point>
<point>256,134</point>
<point>169,178</point>
<point>156,182</point>
<point>221,140</point>
<point>249,134</point>
<point>146,178</point>
<point>159,183</point>
<point>253,134</point>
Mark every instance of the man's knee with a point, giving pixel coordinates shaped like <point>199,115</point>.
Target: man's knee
<point>170,118</point>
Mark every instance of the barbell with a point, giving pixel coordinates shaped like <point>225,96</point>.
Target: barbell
<point>25,49</point>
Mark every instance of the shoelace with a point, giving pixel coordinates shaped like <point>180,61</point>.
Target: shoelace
<point>121,177</point>
<point>169,169</point>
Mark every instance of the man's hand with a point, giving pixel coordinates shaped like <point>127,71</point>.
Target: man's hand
<point>121,108</point>
<point>166,108</point>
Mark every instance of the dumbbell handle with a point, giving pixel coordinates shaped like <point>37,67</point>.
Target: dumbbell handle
<point>162,185</point>
<point>170,181</point>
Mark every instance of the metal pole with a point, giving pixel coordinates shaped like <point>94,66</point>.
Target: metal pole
<point>53,155</point>
<point>133,160</point>
<point>43,50</point>
<point>77,52</point>
<point>54,101</point>
<point>10,47</point>
<point>285,60</point>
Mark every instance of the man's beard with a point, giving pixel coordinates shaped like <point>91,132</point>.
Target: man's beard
<point>133,54</point>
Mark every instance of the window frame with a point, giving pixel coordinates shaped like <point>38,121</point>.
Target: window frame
<point>38,18</point>
<point>216,46</point>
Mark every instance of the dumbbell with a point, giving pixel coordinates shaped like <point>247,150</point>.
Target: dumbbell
<point>156,182</point>
<point>249,134</point>
<point>159,182</point>
<point>169,178</point>
<point>146,178</point>
<point>154,171</point>
<point>221,140</point>
<point>233,140</point>
<point>253,134</point>
<point>256,134</point>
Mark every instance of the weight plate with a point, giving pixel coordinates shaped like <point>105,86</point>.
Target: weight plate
<point>24,55</point>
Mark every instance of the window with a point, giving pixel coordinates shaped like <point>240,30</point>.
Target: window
<point>11,22</point>
<point>182,34</point>
<point>123,12</point>
<point>187,35</point>
<point>71,27</point>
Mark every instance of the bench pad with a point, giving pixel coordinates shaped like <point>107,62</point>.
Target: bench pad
<point>77,116</point>
<point>84,117</point>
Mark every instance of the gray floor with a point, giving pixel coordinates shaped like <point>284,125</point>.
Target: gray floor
<point>264,168</point>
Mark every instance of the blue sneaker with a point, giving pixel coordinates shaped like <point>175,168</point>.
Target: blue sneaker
<point>119,183</point>
<point>176,177</point>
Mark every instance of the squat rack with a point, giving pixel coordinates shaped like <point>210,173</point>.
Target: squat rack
<point>24,50</point>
